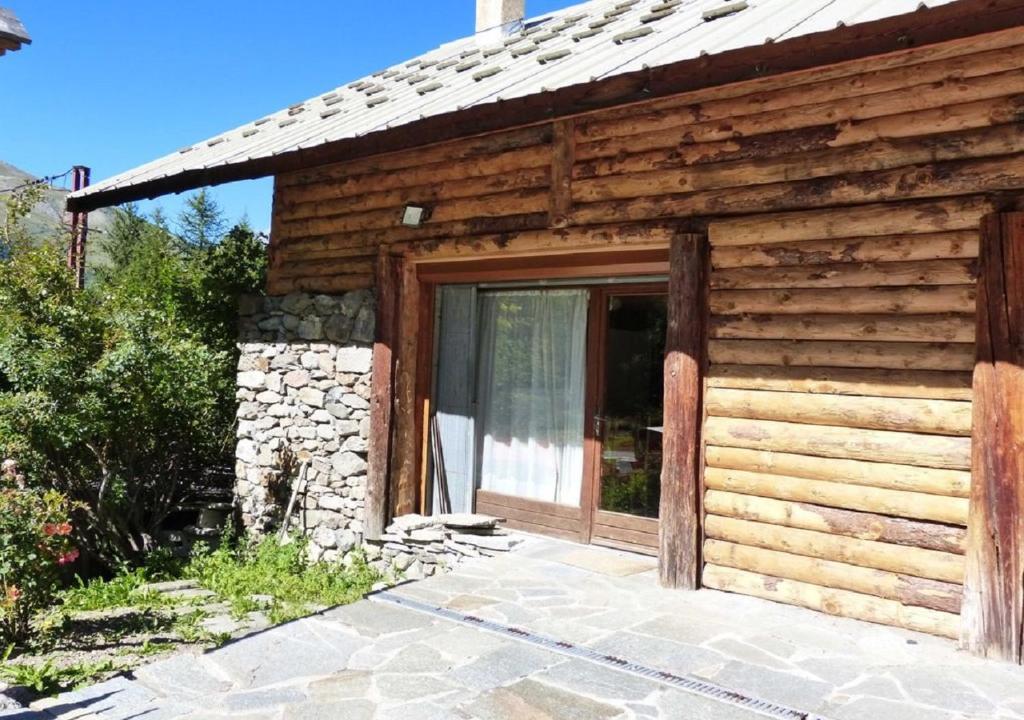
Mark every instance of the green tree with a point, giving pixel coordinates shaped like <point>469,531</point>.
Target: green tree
<point>122,395</point>
<point>201,223</point>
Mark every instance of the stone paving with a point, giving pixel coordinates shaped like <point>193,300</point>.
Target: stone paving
<point>372,660</point>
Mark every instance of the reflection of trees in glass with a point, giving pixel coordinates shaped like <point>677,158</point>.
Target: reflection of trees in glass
<point>634,391</point>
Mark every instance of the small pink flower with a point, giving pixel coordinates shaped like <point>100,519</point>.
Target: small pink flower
<point>51,529</point>
<point>69,557</point>
<point>13,594</point>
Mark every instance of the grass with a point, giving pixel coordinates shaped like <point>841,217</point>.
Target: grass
<point>237,571</point>
<point>47,678</point>
<point>123,590</point>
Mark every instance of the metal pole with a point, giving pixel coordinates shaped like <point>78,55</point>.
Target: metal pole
<point>79,229</point>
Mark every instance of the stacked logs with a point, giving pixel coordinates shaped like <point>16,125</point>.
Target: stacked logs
<point>837,449</point>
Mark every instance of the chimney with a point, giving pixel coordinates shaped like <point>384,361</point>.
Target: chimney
<point>496,19</point>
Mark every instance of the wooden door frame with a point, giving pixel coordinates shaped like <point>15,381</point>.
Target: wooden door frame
<point>415,344</point>
<point>595,399</point>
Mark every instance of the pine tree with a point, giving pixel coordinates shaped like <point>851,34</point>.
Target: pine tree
<point>201,224</point>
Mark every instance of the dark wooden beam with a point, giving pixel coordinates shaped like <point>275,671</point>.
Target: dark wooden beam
<point>563,155</point>
<point>993,608</point>
<point>406,443</point>
<point>381,394</point>
<point>924,27</point>
<point>685,351</point>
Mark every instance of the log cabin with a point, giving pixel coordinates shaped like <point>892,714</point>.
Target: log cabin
<point>740,284</point>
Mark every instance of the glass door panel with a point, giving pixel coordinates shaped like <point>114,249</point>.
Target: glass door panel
<point>629,420</point>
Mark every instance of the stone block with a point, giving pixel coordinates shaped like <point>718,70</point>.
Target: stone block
<point>353,360</point>
<point>310,328</point>
<point>254,379</point>
<point>268,397</point>
<point>354,401</point>
<point>296,303</point>
<point>347,464</point>
<point>296,378</point>
<point>311,397</point>
<point>246,451</point>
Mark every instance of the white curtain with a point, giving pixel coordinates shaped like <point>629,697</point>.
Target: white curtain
<point>530,390</point>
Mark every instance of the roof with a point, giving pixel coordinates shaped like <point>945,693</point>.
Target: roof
<point>588,43</point>
<point>12,33</point>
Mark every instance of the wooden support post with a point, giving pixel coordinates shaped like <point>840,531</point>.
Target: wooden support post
<point>563,151</point>
<point>379,455</point>
<point>406,442</point>
<point>679,526</point>
<point>993,607</point>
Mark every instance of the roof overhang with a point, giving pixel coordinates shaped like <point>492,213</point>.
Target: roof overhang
<point>12,33</point>
<point>927,26</point>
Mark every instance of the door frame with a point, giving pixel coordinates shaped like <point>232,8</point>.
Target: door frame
<point>530,515</point>
<point>637,534</point>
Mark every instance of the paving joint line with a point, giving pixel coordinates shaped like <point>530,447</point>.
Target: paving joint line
<point>687,683</point>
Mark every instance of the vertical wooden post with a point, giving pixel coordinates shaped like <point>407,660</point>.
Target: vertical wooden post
<point>405,444</point>
<point>679,524</point>
<point>563,153</point>
<point>379,454</point>
<point>992,620</point>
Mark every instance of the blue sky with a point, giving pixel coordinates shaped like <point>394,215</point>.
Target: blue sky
<point>115,83</point>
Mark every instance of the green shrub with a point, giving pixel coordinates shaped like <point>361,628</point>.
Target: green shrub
<point>238,570</point>
<point>35,544</point>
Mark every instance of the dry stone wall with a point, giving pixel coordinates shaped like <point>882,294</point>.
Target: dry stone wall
<point>304,385</point>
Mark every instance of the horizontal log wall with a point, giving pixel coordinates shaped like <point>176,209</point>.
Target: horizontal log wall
<point>842,207</point>
<point>839,410</point>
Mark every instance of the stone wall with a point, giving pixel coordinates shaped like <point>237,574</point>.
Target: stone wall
<point>304,384</point>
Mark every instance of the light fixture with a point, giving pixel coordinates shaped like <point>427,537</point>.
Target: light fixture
<point>415,215</point>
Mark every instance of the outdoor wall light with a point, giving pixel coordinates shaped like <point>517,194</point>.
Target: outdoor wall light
<point>415,215</point>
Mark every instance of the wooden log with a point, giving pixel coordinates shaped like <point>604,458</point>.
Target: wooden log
<point>833,602</point>
<point>901,559</point>
<point>369,240</point>
<point>955,177</point>
<point>936,451</point>
<point>850,523</point>
<point>448,152</point>
<point>805,163</point>
<point>840,82</point>
<point>848,275</point>
<point>505,164</point>
<point>329,201</point>
<point>925,384</point>
<point>994,589</point>
<point>375,516</point>
<point>329,285</point>
<point>896,248</point>
<point>562,160</point>
<point>943,120</point>
<point>406,443</point>
<point>356,265</point>
<point>954,483</point>
<point>892,328</point>
<point>880,501</point>
<point>685,343</point>
<point>852,110</point>
<point>914,300</point>
<point>825,353</point>
<point>942,417</point>
<point>494,205</point>
<point>904,589</point>
<point>866,221</point>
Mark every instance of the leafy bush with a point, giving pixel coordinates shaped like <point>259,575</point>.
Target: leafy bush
<point>35,545</point>
<point>238,570</point>
<point>121,396</point>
